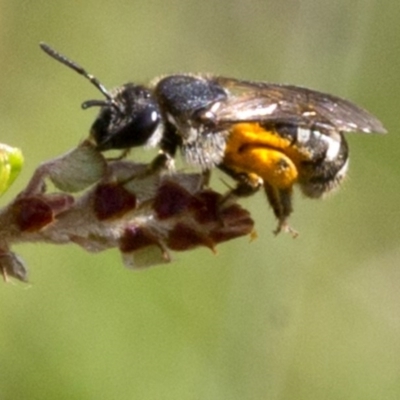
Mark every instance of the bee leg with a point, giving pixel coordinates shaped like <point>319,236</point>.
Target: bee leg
<point>246,187</point>
<point>206,174</point>
<point>281,203</point>
<point>247,184</point>
<point>163,161</point>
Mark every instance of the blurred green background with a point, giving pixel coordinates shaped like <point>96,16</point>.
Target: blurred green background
<point>313,318</point>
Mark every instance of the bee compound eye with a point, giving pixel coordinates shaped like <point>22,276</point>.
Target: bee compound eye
<point>142,126</point>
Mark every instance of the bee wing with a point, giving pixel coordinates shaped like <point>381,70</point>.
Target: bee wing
<point>263,102</point>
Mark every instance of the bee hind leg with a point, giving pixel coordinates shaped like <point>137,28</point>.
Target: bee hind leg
<point>280,199</point>
<point>281,204</point>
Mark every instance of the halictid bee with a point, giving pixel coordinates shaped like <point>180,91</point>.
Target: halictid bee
<point>261,134</point>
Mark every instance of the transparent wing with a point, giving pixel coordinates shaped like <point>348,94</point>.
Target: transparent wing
<point>258,101</point>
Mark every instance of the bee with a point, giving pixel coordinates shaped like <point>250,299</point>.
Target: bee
<point>263,135</point>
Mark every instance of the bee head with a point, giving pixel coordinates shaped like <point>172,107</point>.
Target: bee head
<point>129,115</point>
<point>129,118</point>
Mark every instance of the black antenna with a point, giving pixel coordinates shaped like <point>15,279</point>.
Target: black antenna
<point>80,70</point>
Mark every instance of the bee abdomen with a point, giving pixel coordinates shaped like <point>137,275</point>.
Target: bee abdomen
<point>324,154</point>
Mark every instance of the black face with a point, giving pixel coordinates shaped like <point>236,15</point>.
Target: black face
<point>131,119</point>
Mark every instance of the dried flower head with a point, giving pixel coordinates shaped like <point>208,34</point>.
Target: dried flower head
<point>142,210</point>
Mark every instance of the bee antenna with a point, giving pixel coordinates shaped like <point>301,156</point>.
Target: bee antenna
<point>76,67</point>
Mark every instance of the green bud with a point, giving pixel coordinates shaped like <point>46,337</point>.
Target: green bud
<point>11,161</point>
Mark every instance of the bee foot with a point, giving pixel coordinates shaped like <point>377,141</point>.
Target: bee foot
<point>283,226</point>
